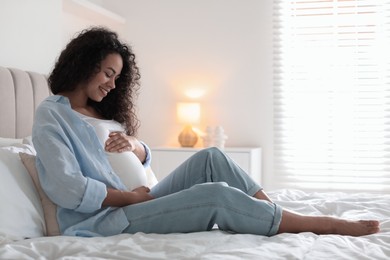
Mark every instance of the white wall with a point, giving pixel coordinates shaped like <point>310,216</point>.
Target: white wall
<point>30,34</point>
<point>221,46</point>
<point>81,14</point>
<point>34,32</point>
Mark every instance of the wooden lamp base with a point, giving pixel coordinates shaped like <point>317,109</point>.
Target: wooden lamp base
<point>188,137</point>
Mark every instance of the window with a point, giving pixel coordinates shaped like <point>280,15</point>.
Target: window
<point>332,94</point>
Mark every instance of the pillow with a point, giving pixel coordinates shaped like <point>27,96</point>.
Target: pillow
<point>9,141</point>
<point>21,211</point>
<point>49,208</point>
<point>28,140</point>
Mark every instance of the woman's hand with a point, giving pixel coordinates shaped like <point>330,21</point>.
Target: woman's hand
<point>119,142</point>
<point>119,198</point>
<point>141,194</point>
<point>141,189</point>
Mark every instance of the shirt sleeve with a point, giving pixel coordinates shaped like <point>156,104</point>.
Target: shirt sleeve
<point>95,193</point>
<point>59,170</point>
<point>148,159</point>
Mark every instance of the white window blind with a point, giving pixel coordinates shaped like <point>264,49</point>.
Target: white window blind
<point>332,94</point>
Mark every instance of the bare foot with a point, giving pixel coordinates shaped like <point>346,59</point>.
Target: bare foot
<point>295,223</point>
<point>354,228</point>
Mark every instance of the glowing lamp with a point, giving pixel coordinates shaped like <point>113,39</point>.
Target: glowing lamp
<point>188,114</point>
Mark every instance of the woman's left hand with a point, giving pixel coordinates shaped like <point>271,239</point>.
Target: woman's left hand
<point>120,142</point>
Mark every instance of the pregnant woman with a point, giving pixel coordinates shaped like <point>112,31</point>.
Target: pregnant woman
<point>84,136</point>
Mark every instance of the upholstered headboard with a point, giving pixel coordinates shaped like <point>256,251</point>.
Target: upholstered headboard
<point>21,93</point>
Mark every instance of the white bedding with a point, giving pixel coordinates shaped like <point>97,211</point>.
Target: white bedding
<point>221,245</point>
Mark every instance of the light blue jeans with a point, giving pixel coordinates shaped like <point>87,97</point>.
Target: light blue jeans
<point>209,188</point>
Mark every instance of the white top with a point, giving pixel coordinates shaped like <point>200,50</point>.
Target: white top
<point>125,164</point>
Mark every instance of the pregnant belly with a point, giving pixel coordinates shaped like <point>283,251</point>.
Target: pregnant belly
<point>129,169</point>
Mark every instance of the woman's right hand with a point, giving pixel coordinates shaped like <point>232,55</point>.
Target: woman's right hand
<point>119,198</point>
<point>141,194</point>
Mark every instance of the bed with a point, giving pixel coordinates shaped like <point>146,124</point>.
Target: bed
<point>24,229</point>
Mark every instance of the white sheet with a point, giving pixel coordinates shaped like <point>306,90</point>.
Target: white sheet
<point>221,245</point>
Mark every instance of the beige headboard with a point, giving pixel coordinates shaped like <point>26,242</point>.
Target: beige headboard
<point>21,92</point>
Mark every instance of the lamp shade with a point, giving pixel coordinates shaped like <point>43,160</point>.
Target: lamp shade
<point>188,113</point>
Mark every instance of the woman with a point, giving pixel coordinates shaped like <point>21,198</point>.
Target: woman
<point>95,80</point>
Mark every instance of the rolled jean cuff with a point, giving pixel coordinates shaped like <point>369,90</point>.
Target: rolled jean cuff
<point>277,219</point>
<point>254,189</point>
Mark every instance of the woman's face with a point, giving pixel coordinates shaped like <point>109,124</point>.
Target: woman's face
<point>104,81</point>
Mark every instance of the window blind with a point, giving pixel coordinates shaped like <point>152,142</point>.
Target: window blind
<point>332,94</point>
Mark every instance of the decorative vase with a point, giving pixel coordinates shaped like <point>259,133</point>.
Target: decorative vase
<point>188,137</point>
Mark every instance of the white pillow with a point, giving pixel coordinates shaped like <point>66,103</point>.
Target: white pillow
<point>28,140</point>
<point>4,141</point>
<point>21,210</point>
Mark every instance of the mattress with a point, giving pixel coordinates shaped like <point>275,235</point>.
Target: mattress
<point>217,244</point>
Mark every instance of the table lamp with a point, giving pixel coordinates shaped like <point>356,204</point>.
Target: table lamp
<point>188,114</point>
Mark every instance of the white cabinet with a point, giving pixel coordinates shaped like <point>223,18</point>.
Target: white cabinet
<point>166,159</point>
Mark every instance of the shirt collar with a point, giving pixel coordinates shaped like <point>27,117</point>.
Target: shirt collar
<point>59,99</point>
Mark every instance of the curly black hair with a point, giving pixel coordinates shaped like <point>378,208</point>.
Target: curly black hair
<point>80,61</point>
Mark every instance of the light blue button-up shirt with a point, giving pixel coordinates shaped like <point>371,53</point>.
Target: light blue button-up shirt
<point>74,171</point>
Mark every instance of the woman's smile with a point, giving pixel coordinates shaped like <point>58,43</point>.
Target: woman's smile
<point>104,90</point>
